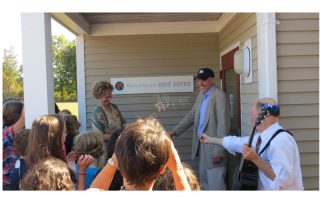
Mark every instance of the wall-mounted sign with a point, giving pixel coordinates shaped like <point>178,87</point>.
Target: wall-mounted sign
<point>160,84</point>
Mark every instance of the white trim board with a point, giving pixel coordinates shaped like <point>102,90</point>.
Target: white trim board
<point>81,83</point>
<point>267,55</point>
<point>37,65</point>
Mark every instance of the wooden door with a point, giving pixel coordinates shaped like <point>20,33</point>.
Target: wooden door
<point>231,85</point>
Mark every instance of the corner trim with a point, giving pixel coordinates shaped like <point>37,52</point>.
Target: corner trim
<point>267,55</point>
<point>81,83</point>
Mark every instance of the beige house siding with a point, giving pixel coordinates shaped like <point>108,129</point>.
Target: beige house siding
<point>298,86</point>
<point>239,29</point>
<point>150,55</point>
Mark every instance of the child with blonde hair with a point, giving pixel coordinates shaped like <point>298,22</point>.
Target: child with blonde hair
<point>88,143</point>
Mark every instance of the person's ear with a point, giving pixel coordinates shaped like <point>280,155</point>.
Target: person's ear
<point>162,169</point>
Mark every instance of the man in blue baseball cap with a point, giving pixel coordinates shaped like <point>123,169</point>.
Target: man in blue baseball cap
<point>210,115</point>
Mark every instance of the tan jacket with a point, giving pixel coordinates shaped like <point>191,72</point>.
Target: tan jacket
<point>217,124</point>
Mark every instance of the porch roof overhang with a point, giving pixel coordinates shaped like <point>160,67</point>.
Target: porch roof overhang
<point>74,22</point>
<point>112,24</point>
<point>109,24</point>
<point>39,60</point>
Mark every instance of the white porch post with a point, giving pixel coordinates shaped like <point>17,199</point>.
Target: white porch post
<point>267,56</point>
<point>81,84</point>
<point>37,65</point>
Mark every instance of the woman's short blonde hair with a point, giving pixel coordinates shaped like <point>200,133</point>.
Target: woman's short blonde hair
<point>100,87</point>
<point>88,142</point>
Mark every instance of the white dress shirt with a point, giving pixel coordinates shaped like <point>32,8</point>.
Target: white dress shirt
<point>282,155</point>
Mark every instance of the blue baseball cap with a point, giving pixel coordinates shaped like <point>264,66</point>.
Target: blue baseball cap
<point>204,74</point>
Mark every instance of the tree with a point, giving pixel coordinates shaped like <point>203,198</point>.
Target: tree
<point>12,75</point>
<point>64,69</point>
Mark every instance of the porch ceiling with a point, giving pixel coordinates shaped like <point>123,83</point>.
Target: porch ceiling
<point>108,24</point>
<point>103,18</point>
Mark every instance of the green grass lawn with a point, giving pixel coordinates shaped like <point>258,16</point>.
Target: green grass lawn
<point>72,106</point>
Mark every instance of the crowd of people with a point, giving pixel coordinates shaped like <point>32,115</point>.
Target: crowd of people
<point>54,155</point>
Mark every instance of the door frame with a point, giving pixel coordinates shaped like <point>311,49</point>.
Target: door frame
<point>232,48</point>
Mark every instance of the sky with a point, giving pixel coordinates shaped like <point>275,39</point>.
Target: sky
<point>11,35</point>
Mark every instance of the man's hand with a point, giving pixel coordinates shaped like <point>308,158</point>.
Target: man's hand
<point>249,153</point>
<point>204,138</point>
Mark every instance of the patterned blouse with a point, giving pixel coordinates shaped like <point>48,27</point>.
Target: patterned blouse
<point>105,121</point>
